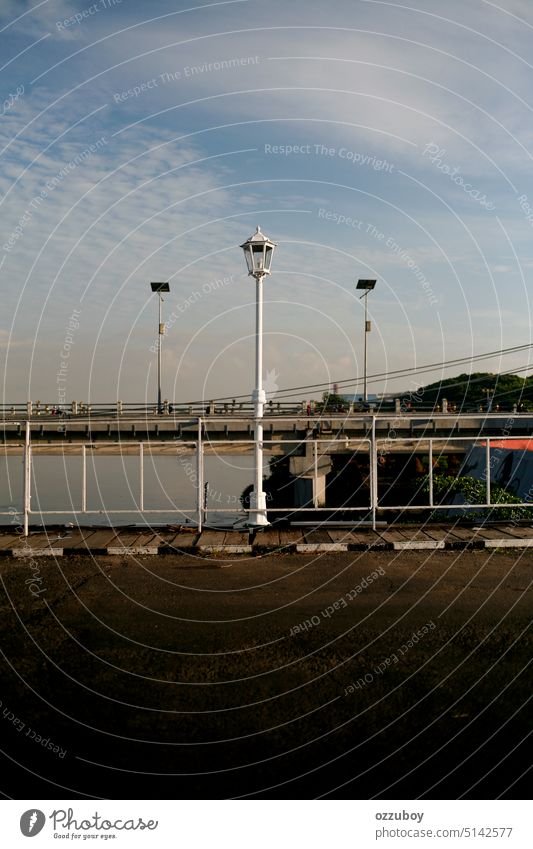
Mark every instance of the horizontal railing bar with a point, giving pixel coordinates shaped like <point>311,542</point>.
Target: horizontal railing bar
<point>44,447</point>
<point>187,510</point>
<point>110,510</point>
<point>484,506</point>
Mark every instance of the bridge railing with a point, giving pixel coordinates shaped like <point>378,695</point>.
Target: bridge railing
<point>130,410</point>
<point>375,493</point>
<point>118,409</point>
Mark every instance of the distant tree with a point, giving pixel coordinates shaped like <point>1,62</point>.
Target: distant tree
<point>469,390</point>
<point>331,403</point>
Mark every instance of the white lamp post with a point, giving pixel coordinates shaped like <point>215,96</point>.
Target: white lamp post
<point>258,250</point>
<point>367,286</point>
<point>159,288</point>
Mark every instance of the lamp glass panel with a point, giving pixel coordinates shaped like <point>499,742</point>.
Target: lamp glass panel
<point>258,257</point>
<point>268,257</point>
<point>248,255</point>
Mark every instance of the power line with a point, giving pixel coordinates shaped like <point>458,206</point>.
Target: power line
<point>374,378</point>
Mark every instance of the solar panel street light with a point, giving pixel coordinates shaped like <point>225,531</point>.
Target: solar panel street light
<point>159,288</point>
<point>366,286</point>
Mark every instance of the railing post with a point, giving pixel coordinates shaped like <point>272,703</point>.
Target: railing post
<point>27,479</point>
<point>431,472</point>
<point>200,475</point>
<point>28,408</point>
<point>487,471</point>
<point>141,476</point>
<point>83,478</point>
<point>315,474</point>
<point>373,473</point>
<point>119,408</point>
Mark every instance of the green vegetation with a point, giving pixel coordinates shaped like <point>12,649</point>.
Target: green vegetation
<point>473,491</point>
<point>469,390</point>
<point>331,403</point>
<point>464,392</point>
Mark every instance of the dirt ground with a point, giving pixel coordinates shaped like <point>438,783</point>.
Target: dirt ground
<point>392,675</point>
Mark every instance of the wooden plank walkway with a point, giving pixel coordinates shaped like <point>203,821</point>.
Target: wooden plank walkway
<point>418,540</point>
<point>128,541</point>
<point>183,542</point>
<point>38,545</point>
<point>224,542</point>
<point>134,543</point>
<point>317,542</point>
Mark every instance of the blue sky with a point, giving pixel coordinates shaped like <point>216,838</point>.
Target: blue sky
<point>368,139</point>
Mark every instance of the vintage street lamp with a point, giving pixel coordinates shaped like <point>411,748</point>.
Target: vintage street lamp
<point>258,250</point>
<point>159,288</point>
<point>367,286</point>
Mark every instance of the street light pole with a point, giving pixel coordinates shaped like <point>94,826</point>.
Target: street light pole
<point>259,398</point>
<point>258,251</point>
<point>367,285</point>
<point>160,342</point>
<point>489,394</point>
<point>365,393</point>
<point>159,288</point>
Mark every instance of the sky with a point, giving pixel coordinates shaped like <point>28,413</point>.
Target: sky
<point>368,139</point>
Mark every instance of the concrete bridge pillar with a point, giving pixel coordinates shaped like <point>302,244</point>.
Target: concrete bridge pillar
<point>310,472</point>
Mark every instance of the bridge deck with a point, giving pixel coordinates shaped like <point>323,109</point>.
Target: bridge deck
<point>222,430</point>
<point>120,541</point>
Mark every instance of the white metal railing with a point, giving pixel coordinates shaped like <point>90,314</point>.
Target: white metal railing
<point>371,446</point>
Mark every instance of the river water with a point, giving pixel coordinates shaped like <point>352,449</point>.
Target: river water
<point>113,483</point>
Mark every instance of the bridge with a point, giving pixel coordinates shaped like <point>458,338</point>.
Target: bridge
<point>223,428</point>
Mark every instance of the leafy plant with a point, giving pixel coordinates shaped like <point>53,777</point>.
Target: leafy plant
<point>474,491</point>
